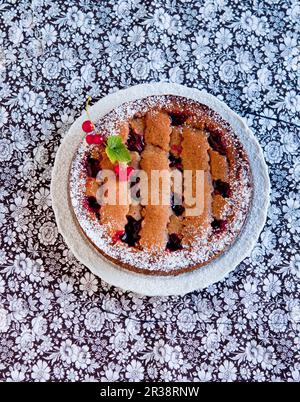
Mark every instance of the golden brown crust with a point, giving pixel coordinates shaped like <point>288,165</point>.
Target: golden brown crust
<point>218,206</point>
<point>158,129</point>
<point>91,187</point>
<point>218,165</point>
<point>138,125</point>
<point>198,226</point>
<point>154,235</point>
<point>194,149</point>
<point>175,224</point>
<point>123,130</point>
<point>114,216</point>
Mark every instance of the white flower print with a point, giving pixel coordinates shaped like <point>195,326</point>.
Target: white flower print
<point>292,101</point>
<point>176,75</point>
<point>83,358</point>
<point>268,361</point>
<point>94,319</point>
<point>211,341</point>
<point>156,59</point>
<point>49,34</point>
<point>75,18</point>
<point>161,19</point>
<point>140,68</point>
<point>162,352</point>
<point>135,371</point>
<point>204,376</point>
<point>119,340</point>
<point>227,371</point>
<point>2,283</point>
<point>16,35</point>
<point>26,98</point>
<point>18,309</point>
<point>290,141</point>
<point>20,137</point>
<point>51,68</point>
<point>186,320</point>
<point>64,293</point>
<point>136,36</point>
<point>3,116</point>
<point>40,371</point>
<point>47,233</point>
<point>39,326</point>
<point>224,38</point>
<point>5,149</point>
<point>268,239</point>
<point>16,376</point>
<point>4,320</point>
<point>68,351</point>
<point>111,375</point>
<point>227,71</point>
<point>272,285</point>
<point>89,284</point>
<point>176,356</point>
<point>295,265</point>
<point>25,340</point>
<point>67,57</point>
<point>254,352</point>
<point>294,11</point>
<point>273,152</point>
<point>292,208</point>
<point>249,21</point>
<point>201,46</point>
<point>42,198</point>
<point>278,320</point>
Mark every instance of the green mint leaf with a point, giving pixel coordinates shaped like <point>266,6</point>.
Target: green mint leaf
<point>111,154</point>
<point>122,154</point>
<point>114,141</point>
<point>116,150</point>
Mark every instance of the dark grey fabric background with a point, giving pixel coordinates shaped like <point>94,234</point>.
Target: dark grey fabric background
<point>57,321</point>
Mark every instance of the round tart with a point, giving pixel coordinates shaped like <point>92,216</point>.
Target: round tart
<point>163,133</point>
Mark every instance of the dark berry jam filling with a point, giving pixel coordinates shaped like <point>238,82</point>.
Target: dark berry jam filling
<point>92,166</point>
<point>92,204</point>
<point>222,188</point>
<point>176,205</point>
<point>219,225</point>
<point>178,119</point>
<point>216,141</point>
<point>135,142</point>
<point>175,162</point>
<point>174,242</point>
<point>132,229</point>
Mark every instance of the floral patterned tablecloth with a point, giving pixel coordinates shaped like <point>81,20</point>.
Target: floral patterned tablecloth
<point>57,321</point>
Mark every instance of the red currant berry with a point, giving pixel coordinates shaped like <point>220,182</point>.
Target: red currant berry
<point>117,236</point>
<point>89,139</point>
<point>88,126</point>
<point>98,139</point>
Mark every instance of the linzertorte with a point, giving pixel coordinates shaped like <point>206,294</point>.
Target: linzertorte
<point>169,133</point>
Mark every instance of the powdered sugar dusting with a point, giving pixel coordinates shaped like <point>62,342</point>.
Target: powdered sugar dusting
<point>202,250</point>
